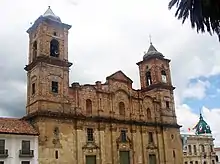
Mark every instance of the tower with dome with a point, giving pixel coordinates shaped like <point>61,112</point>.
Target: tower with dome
<point>202,128</point>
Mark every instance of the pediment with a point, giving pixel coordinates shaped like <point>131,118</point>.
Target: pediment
<point>119,76</point>
<point>90,145</point>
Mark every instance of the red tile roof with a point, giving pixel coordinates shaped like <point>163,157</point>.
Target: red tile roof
<point>16,126</point>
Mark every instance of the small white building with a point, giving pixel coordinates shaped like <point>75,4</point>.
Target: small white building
<point>198,148</point>
<point>18,142</point>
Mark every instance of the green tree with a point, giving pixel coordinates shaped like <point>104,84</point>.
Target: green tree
<point>204,15</point>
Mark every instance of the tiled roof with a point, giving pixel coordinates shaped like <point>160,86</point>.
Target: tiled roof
<point>16,126</point>
<point>217,148</point>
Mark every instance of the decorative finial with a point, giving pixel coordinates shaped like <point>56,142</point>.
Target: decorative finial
<point>200,117</point>
<point>150,39</point>
<point>49,7</point>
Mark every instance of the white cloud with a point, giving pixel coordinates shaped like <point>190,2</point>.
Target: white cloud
<point>196,90</point>
<point>108,35</point>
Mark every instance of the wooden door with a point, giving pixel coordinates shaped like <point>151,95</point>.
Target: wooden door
<point>124,157</point>
<point>91,159</point>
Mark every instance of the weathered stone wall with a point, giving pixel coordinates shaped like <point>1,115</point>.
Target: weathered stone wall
<point>72,146</point>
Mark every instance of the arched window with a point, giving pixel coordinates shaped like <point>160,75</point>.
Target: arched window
<point>148,114</point>
<point>204,162</point>
<point>174,154</point>
<point>88,106</point>
<point>202,148</point>
<point>34,50</point>
<point>121,107</point>
<point>54,48</point>
<point>148,78</point>
<point>163,76</point>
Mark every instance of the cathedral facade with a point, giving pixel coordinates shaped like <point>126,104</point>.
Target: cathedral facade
<point>100,123</point>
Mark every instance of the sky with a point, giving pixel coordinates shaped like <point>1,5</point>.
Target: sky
<point>111,35</point>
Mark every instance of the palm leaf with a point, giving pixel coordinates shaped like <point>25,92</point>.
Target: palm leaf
<point>204,15</point>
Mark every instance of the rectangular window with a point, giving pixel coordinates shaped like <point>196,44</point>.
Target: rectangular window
<point>56,154</point>
<point>2,146</point>
<point>190,148</point>
<point>123,136</point>
<point>196,162</point>
<point>191,162</point>
<point>152,159</point>
<point>33,88</point>
<point>186,162</point>
<point>1,162</point>
<point>90,134</point>
<point>211,148</point>
<point>167,104</point>
<point>150,137</point>
<point>90,159</point>
<point>25,147</point>
<point>54,87</point>
<point>124,157</point>
<point>25,162</point>
<point>194,147</point>
<point>213,161</point>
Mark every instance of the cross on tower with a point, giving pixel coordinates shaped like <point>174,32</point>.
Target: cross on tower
<point>150,39</point>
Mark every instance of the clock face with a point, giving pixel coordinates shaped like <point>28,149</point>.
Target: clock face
<point>164,78</point>
<point>56,52</point>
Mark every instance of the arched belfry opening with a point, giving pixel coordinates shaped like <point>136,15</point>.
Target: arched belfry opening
<point>121,107</point>
<point>34,50</point>
<point>88,106</point>
<point>164,76</point>
<point>54,48</point>
<point>149,114</point>
<point>148,78</point>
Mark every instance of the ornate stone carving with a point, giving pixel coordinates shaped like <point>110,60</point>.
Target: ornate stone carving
<point>124,144</point>
<point>43,140</point>
<point>79,125</point>
<point>133,129</point>
<point>151,146</point>
<point>113,127</point>
<point>101,126</point>
<point>90,147</point>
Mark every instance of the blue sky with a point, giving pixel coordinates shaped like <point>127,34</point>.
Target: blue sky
<point>212,94</point>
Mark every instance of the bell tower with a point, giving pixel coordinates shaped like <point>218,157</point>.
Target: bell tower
<point>155,79</point>
<point>48,66</point>
<point>154,69</point>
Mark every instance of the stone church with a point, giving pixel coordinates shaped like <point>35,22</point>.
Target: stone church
<point>102,123</point>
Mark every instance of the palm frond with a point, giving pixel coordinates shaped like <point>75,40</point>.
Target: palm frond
<point>204,15</point>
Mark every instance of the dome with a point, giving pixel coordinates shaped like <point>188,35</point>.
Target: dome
<point>202,127</point>
<point>152,52</point>
<point>49,14</point>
